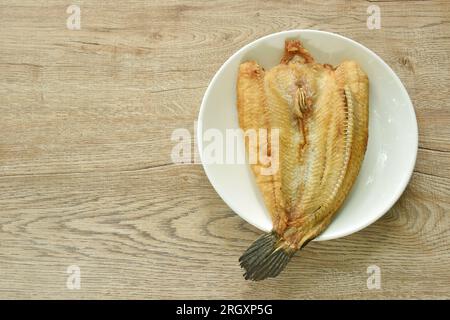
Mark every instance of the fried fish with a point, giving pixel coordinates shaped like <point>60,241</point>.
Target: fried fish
<point>321,114</point>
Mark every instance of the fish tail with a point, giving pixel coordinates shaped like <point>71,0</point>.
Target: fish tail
<point>266,257</point>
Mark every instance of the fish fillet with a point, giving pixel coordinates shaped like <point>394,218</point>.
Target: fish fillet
<point>321,115</point>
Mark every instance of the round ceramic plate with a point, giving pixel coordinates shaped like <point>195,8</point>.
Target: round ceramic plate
<point>393,137</point>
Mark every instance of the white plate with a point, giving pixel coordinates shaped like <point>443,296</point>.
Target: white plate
<point>393,137</point>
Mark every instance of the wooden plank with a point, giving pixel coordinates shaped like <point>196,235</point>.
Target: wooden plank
<point>134,239</point>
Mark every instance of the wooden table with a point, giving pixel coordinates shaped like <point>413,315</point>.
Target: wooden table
<point>86,176</point>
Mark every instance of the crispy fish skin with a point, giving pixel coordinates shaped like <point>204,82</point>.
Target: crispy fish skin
<point>279,91</point>
<point>254,114</point>
<point>327,159</point>
<point>322,116</point>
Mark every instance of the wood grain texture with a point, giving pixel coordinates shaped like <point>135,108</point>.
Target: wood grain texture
<point>85,171</point>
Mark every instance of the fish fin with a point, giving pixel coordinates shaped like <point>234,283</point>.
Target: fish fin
<point>295,52</point>
<point>266,257</point>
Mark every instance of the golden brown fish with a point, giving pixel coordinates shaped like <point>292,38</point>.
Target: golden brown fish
<point>321,114</point>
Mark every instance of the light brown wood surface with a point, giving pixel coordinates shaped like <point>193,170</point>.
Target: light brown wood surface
<point>85,171</point>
